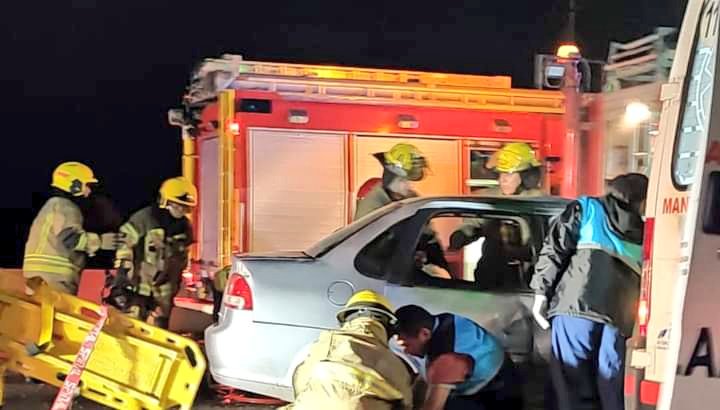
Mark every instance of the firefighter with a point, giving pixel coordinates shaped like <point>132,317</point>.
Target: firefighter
<point>155,253</point>
<point>589,268</point>
<point>401,165</point>
<point>519,174</point>
<point>353,368</point>
<point>58,247</point>
<point>519,171</point>
<point>466,366</point>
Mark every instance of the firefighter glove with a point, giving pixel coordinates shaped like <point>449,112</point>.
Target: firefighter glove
<point>124,269</point>
<point>93,243</point>
<point>111,241</point>
<point>539,311</point>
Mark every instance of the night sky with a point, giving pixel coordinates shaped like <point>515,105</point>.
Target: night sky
<point>92,80</point>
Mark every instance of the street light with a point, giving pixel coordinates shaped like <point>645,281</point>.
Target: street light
<point>636,113</point>
<point>568,51</point>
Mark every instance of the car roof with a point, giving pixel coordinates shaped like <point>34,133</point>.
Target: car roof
<point>546,207</point>
<point>533,205</point>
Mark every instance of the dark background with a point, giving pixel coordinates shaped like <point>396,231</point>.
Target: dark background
<point>92,80</point>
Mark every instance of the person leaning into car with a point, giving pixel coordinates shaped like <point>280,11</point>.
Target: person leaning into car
<point>402,165</point>
<point>466,366</point>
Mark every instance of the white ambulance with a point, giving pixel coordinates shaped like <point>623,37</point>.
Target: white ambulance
<point>673,360</point>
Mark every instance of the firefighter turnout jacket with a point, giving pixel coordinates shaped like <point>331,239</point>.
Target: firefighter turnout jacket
<point>351,369</point>
<point>155,252</point>
<point>57,247</point>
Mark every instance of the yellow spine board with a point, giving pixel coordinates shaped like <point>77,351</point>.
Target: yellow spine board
<point>134,365</point>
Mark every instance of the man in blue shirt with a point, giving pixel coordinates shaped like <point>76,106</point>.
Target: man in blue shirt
<point>466,367</point>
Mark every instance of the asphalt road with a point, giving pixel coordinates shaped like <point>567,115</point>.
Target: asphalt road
<point>20,395</point>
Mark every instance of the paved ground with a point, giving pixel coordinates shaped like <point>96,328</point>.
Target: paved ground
<point>27,396</point>
<point>20,395</point>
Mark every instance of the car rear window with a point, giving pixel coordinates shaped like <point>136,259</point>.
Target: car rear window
<point>332,240</point>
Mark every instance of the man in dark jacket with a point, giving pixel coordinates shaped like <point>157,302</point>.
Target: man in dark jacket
<point>589,268</point>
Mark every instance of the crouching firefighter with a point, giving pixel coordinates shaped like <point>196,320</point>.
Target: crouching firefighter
<point>150,263</point>
<point>353,368</point>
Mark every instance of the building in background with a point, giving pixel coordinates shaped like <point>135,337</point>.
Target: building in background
<point>634,75</point>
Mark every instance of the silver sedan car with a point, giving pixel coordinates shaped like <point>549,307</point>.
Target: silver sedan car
<point>275,305</point>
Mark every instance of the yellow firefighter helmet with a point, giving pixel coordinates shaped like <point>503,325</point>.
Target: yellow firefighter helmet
<point>514,157</point>
<point>178,190</point>
<point>407,161</point>
<point>73,177</point>
<point>368,301</point>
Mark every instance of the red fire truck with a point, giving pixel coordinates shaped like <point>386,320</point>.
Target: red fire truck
<point>279,151</point>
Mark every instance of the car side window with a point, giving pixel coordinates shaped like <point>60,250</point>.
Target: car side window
<point>376,258</point>
<point>481,251</point>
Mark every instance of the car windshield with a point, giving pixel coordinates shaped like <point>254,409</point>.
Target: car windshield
<point>332,240</point>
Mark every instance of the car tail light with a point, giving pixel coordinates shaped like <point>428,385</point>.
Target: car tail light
<point>238,294</point>
<point>646,280</point>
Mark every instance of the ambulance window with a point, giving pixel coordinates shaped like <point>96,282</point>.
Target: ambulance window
<point>692,129</point>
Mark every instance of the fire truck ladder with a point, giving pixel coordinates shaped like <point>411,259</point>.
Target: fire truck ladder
<point>375,86</point>
<point>645,60</point>
<point>236,64</point>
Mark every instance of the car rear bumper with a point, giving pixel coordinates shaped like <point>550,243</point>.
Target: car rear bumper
<point>256,357</point>
<point>230,348</point>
